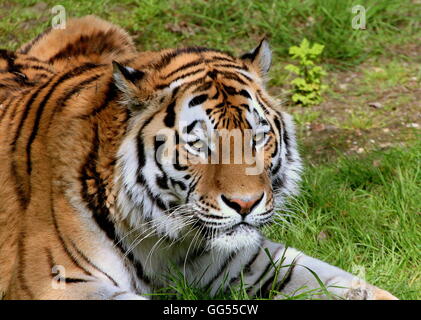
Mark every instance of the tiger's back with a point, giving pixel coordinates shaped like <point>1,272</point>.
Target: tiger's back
<point>60,74</point>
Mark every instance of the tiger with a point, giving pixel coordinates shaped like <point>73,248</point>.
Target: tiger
<point>112,176</point>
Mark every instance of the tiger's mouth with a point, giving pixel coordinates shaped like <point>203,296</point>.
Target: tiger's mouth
<point>240,227</point>
<point>243,225</point>
<point>242,236</point>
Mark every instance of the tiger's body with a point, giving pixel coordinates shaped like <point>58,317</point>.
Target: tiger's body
<point>86,202</point>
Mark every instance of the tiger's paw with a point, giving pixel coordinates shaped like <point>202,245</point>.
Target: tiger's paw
<point>361,290</point>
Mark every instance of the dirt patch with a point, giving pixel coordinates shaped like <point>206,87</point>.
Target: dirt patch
<point>362,112</point>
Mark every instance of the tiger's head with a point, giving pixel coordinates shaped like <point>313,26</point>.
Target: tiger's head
<point>206,149</point>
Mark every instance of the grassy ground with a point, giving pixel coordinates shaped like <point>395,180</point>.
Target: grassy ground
<point>361,204</point>
<point>363,214</point>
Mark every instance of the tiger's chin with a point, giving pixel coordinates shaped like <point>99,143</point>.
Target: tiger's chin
<point>241,237</point>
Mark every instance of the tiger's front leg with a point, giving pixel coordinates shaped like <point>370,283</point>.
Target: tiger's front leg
<point>291,272</point>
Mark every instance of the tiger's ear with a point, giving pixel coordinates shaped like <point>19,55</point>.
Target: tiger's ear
<point>128,81</point>
<point>260,58</point>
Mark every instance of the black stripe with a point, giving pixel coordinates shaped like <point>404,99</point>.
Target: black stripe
<point>91,264</point>
<point>169,119</point>
<point>206,86</point>
<point>6,107</point>
<point>219,105</point>
<point>10,57</point>
<point>96,202</point>
<point>270,265</point>
<point>31,58</point>
<point>52,264</point>
<point>228,58</point>
<point>29,46</point>
<point>154,199</point>
<point>67,76</point>
<point>61,102</point>
<point>141,158</point>
<point>110,96</point>
<point>168,57</point>
<point>229,65</point>
<point>19,79</point>
<point>36,67</point>
<point>212,74</point>
<point>265,109</point>
<point>279,128</point>
<point>230,90</point>
<point>198,100</point>
<point>286,140</point>
<point>140,272</point>
<point>260,95</point>
<point>247,267</point>
<point>188,85</point>
<point>233,76</point>
<point>63,242</point>
<point>264,273</point>
<point>244,93</point>
<point>115,295</point>
<point>23,196</point>
<point>216,95</point>
<point>221,270</point>
<point>192,185</point>
<point>75,280</point>
<point>286,279</point>
<point>141,163</point>
<point>83,46</point>
<point>191,126</point>
<point>183,67</point>
<point>161,181</point>
<point>26,111</point>
<point>177,166</point>
<point>163,86</point>
<point>22,265</point>
<point>179,183</point>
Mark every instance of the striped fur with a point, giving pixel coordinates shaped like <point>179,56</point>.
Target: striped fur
<point>88,201</point>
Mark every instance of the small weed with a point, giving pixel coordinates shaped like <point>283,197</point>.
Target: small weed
<point>307,86</point>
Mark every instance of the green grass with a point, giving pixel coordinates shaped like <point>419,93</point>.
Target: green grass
<point>369,210</point>
<point>234,24</point>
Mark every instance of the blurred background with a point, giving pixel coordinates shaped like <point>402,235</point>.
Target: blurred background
<point>361,202</point>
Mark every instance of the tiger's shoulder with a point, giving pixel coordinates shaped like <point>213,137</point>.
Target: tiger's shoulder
<point>60,67</point>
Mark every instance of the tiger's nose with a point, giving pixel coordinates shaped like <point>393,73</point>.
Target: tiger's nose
<point>242,205</point>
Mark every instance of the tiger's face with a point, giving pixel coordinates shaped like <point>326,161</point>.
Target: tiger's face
<point>206,148</point>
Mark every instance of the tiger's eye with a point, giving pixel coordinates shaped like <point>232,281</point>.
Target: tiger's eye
<point>198,144</point>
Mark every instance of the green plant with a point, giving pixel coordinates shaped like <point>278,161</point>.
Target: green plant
<point>307,86</point>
